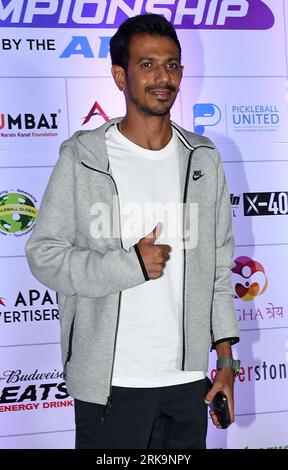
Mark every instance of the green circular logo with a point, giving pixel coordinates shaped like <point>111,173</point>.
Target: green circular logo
<point>17,212</point>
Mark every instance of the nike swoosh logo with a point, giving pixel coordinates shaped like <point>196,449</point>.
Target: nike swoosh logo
<point>195,178</point>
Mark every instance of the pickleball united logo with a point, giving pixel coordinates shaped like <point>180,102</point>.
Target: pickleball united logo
<point>205,114</point>
<point>248,279</point>
<point>17,213</point>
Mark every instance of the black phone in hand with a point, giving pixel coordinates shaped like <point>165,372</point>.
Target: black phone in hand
<point>220,407</point>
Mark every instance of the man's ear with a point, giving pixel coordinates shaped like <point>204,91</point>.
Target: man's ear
<point>119,76</point>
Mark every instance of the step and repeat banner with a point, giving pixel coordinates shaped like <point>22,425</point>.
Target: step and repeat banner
<point>55,79</point>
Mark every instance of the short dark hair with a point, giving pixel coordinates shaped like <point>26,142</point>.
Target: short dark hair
<point>149,23</point>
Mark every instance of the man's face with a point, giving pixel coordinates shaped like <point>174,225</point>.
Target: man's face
<point>153,75</point>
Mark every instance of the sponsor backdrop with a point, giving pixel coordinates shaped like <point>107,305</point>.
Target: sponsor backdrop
<point>55,79</point>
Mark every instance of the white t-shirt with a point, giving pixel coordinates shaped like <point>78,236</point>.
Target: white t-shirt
<point>149,340</point>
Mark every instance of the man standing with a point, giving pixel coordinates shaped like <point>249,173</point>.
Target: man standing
<point>134,233</point>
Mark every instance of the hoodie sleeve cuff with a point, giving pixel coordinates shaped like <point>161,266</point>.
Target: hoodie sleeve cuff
<point>232,340</point>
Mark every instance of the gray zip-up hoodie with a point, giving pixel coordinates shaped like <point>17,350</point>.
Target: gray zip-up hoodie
<point>89,273</point>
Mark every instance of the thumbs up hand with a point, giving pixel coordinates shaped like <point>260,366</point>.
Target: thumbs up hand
<point>154,256</point>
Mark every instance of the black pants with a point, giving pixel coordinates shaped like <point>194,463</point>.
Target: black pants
<point>173,417</point>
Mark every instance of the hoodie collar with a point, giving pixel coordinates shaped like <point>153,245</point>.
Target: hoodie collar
<point>93,141</point>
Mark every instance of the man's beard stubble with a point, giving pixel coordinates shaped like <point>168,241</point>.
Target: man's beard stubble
<point>149,110</point>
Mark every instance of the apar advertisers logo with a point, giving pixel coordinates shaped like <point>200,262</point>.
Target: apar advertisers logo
<point>255,118</point>
<point>29,306</point>
<point>201,14</point>
<point>96,110</point>
<point>271,203</point>
<point>248,279</point>
<point>17,213</point>
<point>205,114</point>
<point>28,125</point>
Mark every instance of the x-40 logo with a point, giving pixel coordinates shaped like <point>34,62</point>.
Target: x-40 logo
<point>273,203</point>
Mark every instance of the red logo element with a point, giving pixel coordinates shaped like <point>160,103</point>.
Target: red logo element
<point>93,112</point>
<point>2,302</point>
<point>248,279</point>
